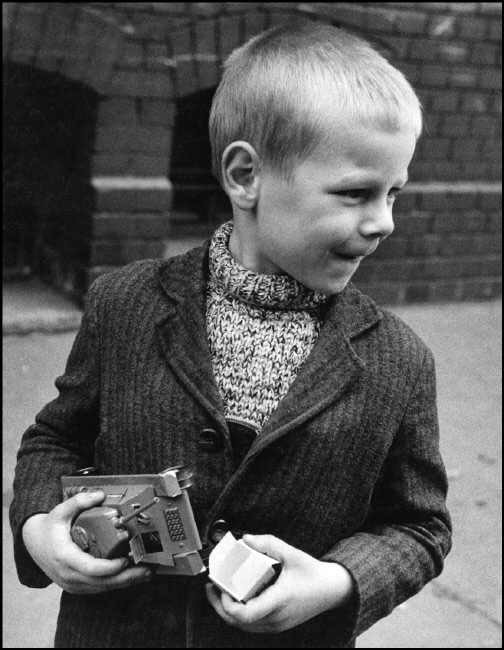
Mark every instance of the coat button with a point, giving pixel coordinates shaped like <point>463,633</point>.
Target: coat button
<point>217,530</point>
<point>210,440</point>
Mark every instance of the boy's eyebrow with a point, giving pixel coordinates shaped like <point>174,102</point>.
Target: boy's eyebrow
<point>356,180</point>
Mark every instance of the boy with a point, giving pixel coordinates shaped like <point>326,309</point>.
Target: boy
<point>307,414</point>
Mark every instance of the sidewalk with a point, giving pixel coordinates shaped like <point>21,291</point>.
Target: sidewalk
<point>460,609</point>
<point>31,306</point>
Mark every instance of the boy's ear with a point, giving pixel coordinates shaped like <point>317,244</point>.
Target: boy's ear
<point>241,174</point>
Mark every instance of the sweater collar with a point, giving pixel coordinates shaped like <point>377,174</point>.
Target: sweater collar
<point>184,280</point>
<point>257,289</point>
<point>333,364</point>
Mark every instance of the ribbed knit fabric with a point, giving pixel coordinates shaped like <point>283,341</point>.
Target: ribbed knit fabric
<point>261,328</point>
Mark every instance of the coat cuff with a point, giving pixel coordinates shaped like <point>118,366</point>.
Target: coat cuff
<point>29,572</point>
<point>377,591</point>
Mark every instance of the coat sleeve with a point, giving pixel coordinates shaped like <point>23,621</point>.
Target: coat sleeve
<point>60,441</point>
<point>407,534</point>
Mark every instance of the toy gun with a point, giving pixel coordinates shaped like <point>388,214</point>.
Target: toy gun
<point>149,515</point>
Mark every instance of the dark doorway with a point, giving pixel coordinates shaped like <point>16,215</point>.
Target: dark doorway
<point>49,125</point>
<point>198,198</point>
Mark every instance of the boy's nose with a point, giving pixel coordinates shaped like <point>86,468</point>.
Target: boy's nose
<point>377,222</point>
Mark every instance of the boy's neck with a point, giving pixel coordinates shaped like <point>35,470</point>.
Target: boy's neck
<point>241,247</point>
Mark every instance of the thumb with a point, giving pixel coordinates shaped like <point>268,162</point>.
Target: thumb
<point>82,501</point>
<point>271,546</point>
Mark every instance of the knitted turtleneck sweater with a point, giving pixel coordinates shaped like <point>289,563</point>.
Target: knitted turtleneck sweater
<point>261,328</point>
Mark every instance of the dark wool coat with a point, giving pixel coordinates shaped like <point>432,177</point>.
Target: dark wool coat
<point>347,467</point>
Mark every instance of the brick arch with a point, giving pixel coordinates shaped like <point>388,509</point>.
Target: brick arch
<point>199,48</point>
<point>79,42</point>
<point>195,52</point>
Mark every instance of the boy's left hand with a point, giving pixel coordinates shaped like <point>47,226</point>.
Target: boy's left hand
<point>305,588</point>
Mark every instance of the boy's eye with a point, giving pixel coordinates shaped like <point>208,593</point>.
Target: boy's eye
<point>363,193</point>
<point>353,194</point>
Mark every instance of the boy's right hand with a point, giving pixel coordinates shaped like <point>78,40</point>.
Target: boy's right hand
<point>47,538</point>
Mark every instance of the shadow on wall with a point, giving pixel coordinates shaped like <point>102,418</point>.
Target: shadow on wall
<point>49,133</point>
<point>198,197</point>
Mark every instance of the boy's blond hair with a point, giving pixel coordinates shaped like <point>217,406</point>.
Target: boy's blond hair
<point>273,84</point>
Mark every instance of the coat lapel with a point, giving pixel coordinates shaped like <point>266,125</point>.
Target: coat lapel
<point>182,329</point>
<point>330,369</point>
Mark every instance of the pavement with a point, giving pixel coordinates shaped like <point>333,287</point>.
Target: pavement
<point>460,609</point>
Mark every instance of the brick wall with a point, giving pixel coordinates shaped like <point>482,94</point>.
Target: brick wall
<point>141,57</point>
<point>446,246</point>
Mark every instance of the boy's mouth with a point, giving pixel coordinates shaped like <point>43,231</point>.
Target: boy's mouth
<point>348,258</point>
<point>352,257</point>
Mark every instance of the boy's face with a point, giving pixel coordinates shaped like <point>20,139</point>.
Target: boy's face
<point>335,210</point>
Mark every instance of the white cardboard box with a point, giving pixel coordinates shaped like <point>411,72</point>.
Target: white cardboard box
<point>239,570</point>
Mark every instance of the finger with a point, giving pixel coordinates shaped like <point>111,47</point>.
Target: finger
<point>232,607</point>
<point>86,564</point>
<point>214,598</point>
<point>127,578</point>
<point>71,507</point>
<point>253,612</point>
<point>248,617</point>
<point>271,546</point>
<point>238,614</point>
<point>257,609</point>
<point>83,584</point>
